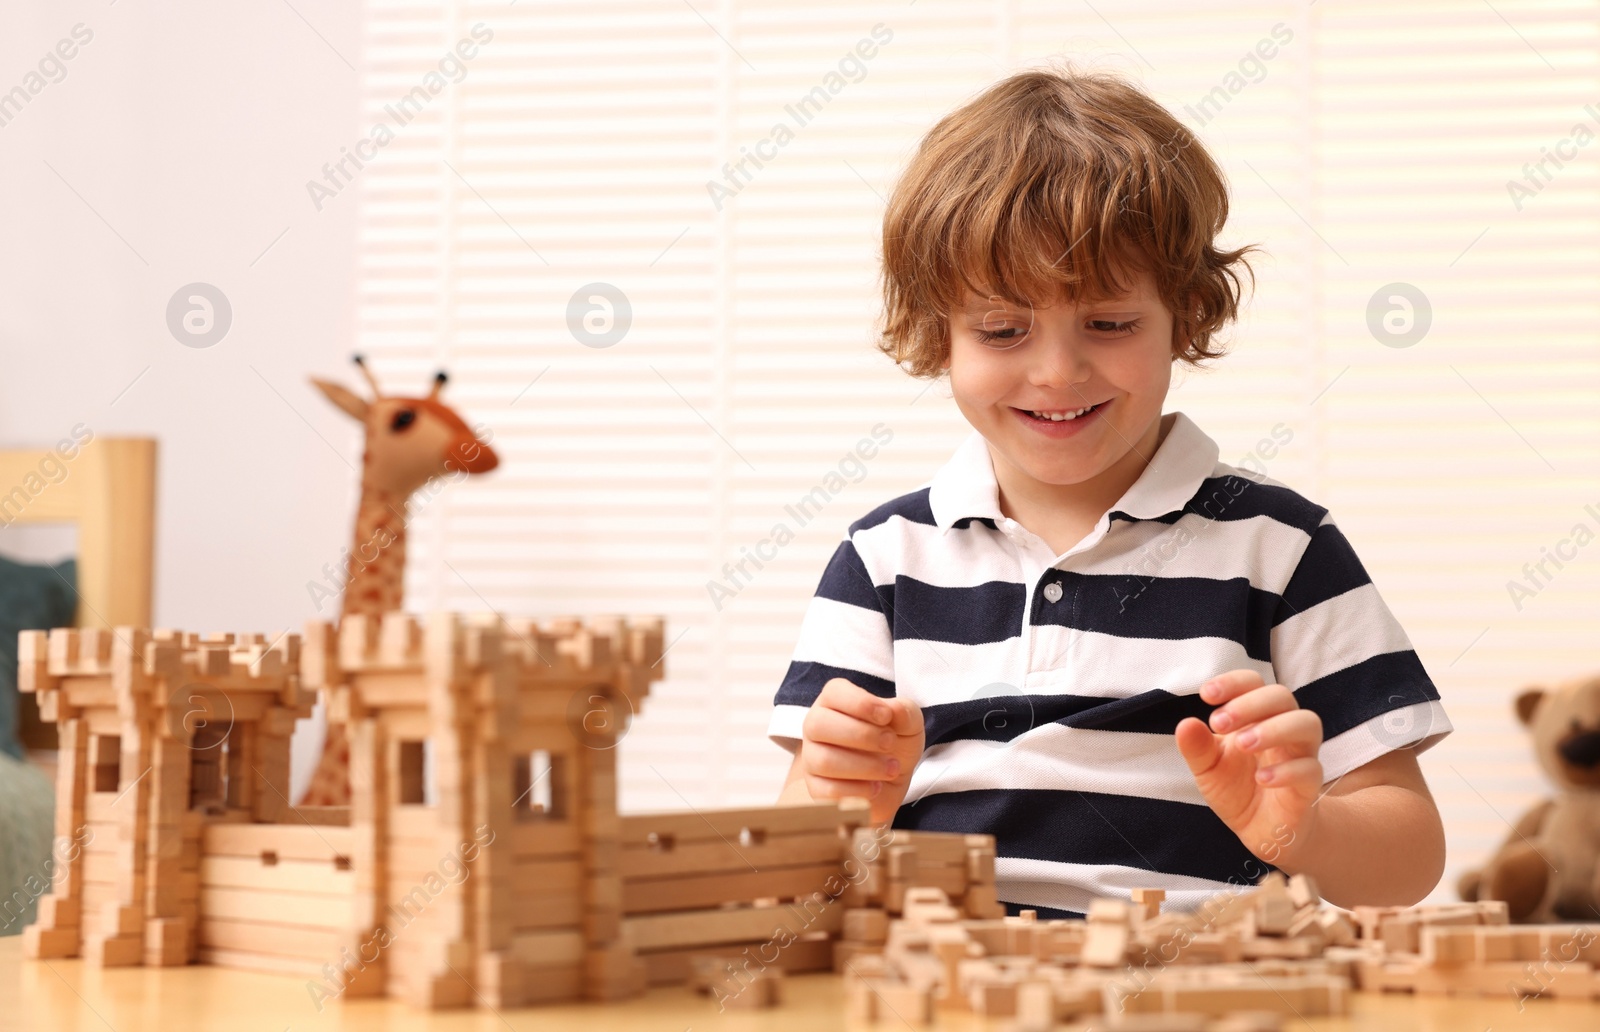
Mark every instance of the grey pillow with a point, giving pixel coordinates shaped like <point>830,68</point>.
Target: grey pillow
<point>31,598</point>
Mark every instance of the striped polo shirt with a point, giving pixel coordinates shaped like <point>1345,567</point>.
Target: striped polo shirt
<point>1050,684</point>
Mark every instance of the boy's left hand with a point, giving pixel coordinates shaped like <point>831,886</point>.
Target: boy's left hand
<point>1259,771</point>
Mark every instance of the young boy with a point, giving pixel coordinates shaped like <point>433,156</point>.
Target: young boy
<point>1132,664</point>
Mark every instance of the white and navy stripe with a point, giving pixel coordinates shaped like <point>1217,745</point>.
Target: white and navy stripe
<point>1050,685</point>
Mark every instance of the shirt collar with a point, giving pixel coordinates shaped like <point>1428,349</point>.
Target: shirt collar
<point>965,485</point>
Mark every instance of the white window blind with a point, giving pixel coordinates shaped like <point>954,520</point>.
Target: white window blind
<point>1374,146</point>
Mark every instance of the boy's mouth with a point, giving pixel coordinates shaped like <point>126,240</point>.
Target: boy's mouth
<point>1061,422</point>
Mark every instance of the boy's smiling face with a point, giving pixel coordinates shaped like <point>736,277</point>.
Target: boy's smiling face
<point>1006,362</point>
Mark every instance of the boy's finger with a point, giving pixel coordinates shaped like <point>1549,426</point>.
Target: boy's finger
<point>1254,705</point>
<point>907,717</point>
<point>829,725</point>
<point>848,698</point>
<point>1299,731</point>
<point>830,761</point>
<point>1300,772</point>
<point>1200,748</point>
<point>1226,686</point>
<point>833,788</point>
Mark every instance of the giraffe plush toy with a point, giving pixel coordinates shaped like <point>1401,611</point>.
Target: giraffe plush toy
<point>409,441</point>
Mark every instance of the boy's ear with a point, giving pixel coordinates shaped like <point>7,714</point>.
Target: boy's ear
<point>1528,704</point>
<point>342,397</point>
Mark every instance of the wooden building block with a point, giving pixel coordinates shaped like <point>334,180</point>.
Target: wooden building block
<point>927,905</point>
<point>399,640</point>
<point>1106,944</point>
<point>1303,890</point>
<point>731,824</point>
<point>1113,911</point>
<point>166,942</point>
<point>710,927</point>
<point>866,925</point>
<point>278,940</point>
<point>1040,1006</point>
<point>42,943</point>
<point>1306,923</point>
<point>1561,981</point>
<point>1281,947</point>
<point>1449,944</point>
<point>730,856</point>
<point>612,972</point>
<point>979,901</point>
<point>1147,902</point>
<point>688,892</point>
<point>58,911</point>
<point>993,998</point>
<point>1275,909</point>
<point>501,980</point>
<point>1493,911</point>
<point>1400,933</point>
<point>1337,928</point>
<point>980,864</point>
<point>123,951</point>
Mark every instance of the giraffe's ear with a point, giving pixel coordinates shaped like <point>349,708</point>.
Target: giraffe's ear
<point>342,397</point>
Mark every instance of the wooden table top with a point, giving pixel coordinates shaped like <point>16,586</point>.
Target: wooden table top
<point>67,996</point>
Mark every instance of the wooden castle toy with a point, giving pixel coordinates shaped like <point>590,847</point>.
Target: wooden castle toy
<point>479,853</point>
<point>141,772</point>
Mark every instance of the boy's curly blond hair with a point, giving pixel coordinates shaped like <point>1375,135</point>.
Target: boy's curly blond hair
<point>1043,187</point>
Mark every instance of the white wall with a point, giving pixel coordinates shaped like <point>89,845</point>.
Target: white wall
<point>180,141</point>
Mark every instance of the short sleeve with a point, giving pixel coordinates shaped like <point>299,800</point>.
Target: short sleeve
<point>846,632</point>
<point>1337,646</point>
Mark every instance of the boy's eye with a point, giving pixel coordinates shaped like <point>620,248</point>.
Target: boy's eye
<point>1007,336</point>
<point>1112,326</point>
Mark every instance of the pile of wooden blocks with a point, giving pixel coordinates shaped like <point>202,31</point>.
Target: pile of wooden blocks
<point>1127,960</point>
<point>730,901</point>
<point>1241,960</point>
<point>1469,949</point>
<point>753,890</point>
<point>898,862</point>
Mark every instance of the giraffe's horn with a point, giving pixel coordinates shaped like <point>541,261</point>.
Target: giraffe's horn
<point>372,381</point>
<point>439,380</point>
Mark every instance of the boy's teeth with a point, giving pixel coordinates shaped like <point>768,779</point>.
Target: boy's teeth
<point>1060,416</point>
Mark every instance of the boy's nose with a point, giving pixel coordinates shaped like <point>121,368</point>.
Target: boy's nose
<point>1059,368</point>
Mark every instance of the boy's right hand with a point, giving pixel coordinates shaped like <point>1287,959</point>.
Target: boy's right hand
<point>855,743</point>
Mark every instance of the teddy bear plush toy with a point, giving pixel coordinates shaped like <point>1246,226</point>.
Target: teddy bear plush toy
<point>1548,868</point>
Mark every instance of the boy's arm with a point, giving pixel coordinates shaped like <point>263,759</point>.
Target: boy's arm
<point>1318,773</point>
<point>1372,836</point>
<point>1375,837</point>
